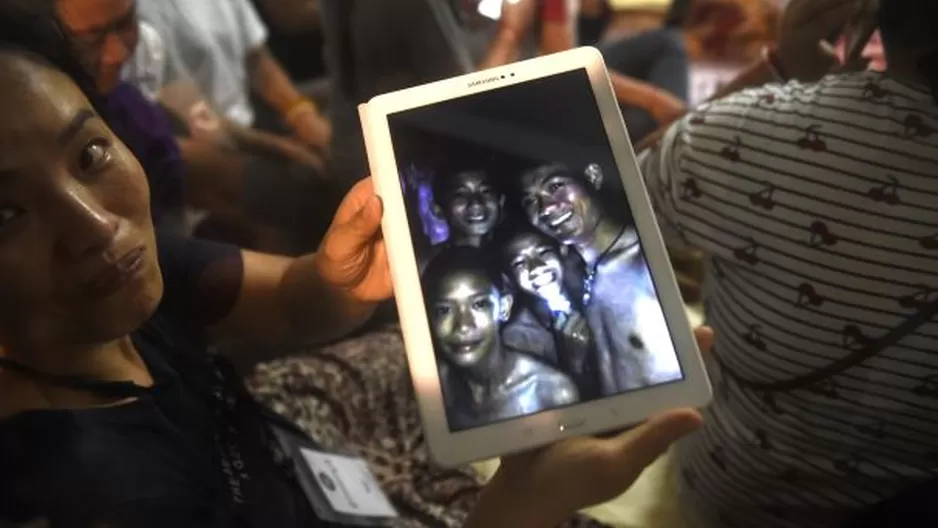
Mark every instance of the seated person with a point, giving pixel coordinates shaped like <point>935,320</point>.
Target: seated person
<point>547,281</point>
<point>250,180</point>
<point>141,125</point>
<point>223,46</point>
<point>818,252</point>
<point>626,321</point>
<point>483,380</point>
<point>257,183</point>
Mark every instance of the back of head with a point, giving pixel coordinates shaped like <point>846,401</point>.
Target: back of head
<point>908,29</point>
<point>462,260</point>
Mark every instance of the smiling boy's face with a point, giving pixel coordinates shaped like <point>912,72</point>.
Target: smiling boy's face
<point>558,204</point>
<point>466,316</point>
<point>534,264</point>
<point>473,205</point>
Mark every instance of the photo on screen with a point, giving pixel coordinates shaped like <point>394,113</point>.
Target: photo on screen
<point>537,289</point>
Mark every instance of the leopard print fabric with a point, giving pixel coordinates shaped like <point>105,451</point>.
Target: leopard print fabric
<point>357,398</point>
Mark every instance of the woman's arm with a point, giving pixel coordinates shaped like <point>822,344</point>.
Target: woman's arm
<point>284,299</point>
<point>323,296</point>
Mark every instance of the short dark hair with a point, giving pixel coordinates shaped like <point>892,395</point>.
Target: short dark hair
<point>579,176</point>
<point>464,259</point>
<point>911,24</point>
<point>444,180</point>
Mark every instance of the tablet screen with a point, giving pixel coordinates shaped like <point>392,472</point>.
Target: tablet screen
<point>536,286</point>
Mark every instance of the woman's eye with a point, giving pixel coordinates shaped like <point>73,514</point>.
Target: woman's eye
<point>94,155</point>
<point>441,311</point>
<point>554,187</point>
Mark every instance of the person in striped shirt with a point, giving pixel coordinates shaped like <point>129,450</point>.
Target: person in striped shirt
<point>816,203</point>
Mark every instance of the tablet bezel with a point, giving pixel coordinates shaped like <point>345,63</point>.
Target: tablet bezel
<point>453,448</point>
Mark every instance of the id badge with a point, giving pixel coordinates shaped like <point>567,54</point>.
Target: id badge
<point>340,488</point>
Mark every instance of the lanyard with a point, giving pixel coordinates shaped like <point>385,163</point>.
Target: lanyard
<point>226,404</point>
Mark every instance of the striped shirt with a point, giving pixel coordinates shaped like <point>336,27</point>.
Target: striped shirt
<point>818,205</point>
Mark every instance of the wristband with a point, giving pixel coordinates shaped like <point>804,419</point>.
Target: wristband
<point>770,58</point>
<point>297,109</point>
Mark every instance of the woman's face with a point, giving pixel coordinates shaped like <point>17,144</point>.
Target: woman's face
<point>558,204</point>
<point>77,251</point>
<point>473,206</point>
<point>104,33</point>
<point>535,266</point>
<point>466,317</point>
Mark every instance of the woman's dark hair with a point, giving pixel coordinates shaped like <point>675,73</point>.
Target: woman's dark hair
<point>463,259</point>
<point>33,28</point>
<point>911,25</point>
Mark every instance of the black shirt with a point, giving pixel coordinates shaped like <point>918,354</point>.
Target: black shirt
<point>156,461</point>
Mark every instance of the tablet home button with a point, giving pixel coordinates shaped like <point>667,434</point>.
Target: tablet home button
<point>572,426</point>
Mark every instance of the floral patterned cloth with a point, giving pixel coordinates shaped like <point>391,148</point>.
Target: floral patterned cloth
<point>357,398</point>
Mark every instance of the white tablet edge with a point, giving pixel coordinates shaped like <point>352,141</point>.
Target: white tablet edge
<point>453,448</point>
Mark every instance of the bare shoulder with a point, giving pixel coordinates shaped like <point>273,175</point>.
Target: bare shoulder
<point>553,385</point>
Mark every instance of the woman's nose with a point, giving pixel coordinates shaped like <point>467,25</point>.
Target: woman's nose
<point>88,228</point>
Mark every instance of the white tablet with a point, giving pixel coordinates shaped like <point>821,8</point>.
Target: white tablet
<point>535,293</point>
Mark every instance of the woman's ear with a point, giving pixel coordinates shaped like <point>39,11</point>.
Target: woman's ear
<point>594,175</point>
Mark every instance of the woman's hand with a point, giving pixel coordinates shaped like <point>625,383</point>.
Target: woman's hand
<point>545,487</point>
<point>352,255</point>
<point>802,52</point>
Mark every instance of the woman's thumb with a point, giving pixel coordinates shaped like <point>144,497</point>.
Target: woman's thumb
<point>366,223</point>
<point>642,445</point>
